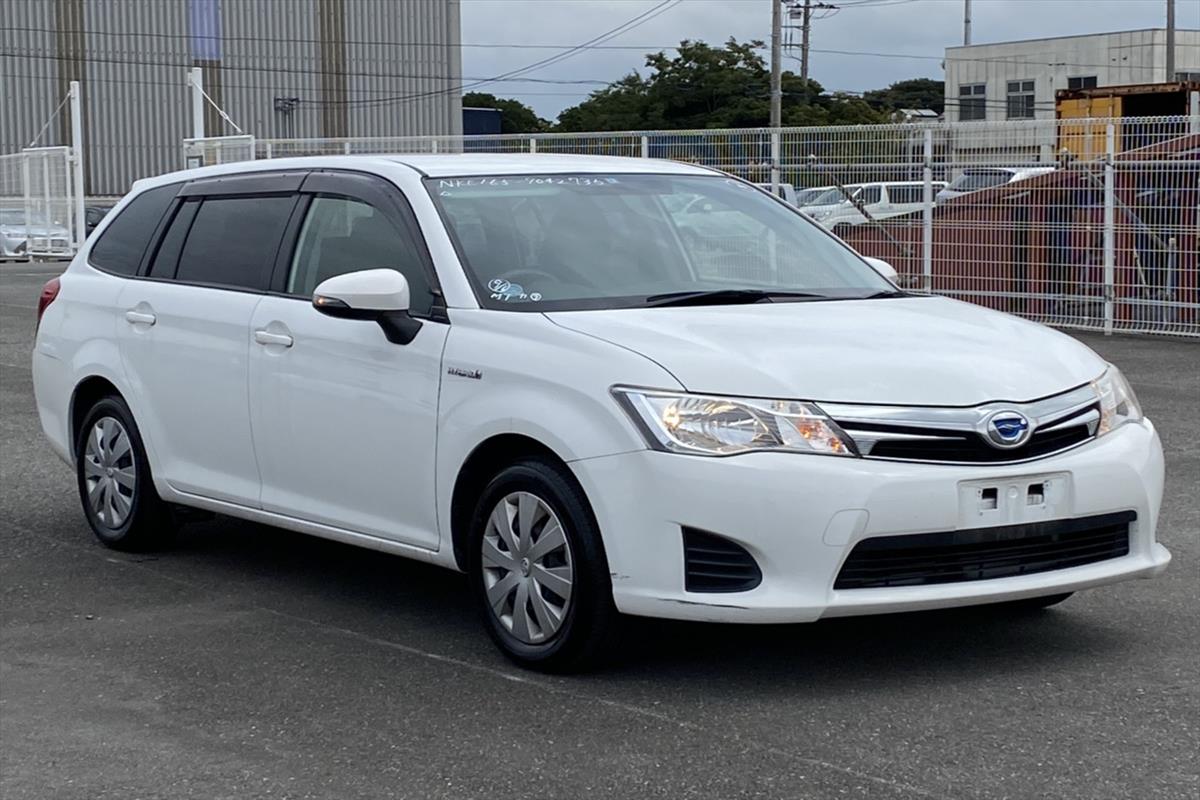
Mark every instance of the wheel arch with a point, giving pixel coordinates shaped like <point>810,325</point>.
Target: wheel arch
<point>85,395</point>
<point>481,465</point>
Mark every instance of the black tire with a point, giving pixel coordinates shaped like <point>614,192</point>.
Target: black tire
<point>148,523</point>
<point>1034,603</point>
<point>590,621</point>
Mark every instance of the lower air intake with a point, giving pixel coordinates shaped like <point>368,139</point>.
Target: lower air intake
<point>714,564</point>
<point>980,554</point>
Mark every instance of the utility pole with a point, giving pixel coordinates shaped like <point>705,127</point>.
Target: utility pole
<point>966,22</point>
<point>776,66</point>
<point>805,27</point>
<point>1170,41</point>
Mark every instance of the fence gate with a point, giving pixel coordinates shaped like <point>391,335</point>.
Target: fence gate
<point>38,203</point>
<point>217,150</point>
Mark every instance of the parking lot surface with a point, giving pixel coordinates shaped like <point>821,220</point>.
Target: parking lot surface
<point>251,662</point>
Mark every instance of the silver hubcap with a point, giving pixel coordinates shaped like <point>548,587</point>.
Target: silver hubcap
<point>527,567</point>
<point>108,472</point>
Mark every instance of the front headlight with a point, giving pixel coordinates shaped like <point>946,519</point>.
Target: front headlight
<point>722,426</point>
<point>1118,404</point>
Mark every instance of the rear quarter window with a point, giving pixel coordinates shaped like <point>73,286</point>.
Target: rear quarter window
<point>123,243</point>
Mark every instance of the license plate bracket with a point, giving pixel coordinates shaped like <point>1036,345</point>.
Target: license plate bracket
<point>1014,500</point>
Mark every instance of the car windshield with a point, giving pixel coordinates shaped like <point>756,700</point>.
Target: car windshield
<point>11,216</point>
<point>974,179</point>
<point>807,197</point>
<point>833,196</point>
<point>562,242</point>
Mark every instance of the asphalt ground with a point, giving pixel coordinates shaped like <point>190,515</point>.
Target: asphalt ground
<point>249,662</point>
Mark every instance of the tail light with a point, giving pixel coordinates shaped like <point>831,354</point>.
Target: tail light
<point>49,292</point>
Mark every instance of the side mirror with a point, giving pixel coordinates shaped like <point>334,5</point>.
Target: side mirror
<point>379,295</point>
<point>883,268</point>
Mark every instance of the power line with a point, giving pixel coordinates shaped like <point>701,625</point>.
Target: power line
<point>294,70</point>
<point>625,27</point>
<point>187,37</point>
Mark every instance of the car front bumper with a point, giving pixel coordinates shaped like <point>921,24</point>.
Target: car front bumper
<point>800,516</point>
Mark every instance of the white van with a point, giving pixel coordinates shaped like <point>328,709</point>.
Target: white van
<point>973,179</point>
<point>881,200</point>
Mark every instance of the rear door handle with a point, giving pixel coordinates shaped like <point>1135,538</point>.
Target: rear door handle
<point>266,337</point>
<point>140,317</point>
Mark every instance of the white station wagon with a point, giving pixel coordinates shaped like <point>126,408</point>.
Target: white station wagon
<point>572,378</point>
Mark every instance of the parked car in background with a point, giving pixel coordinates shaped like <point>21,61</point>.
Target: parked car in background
<point>881,200</point>
<point>93,215</point>
<point>19,236</point>
<point>599,386</point>
<point>806,197</point>
<point>973,179</point>
<point>785,191</point>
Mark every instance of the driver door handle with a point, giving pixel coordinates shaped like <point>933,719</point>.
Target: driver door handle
<point>140,317</point>
<point>266,337</point>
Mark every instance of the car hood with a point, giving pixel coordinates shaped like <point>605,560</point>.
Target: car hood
<point>904,351</point>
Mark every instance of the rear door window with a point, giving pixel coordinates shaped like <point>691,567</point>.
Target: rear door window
<point>167,258</point>
<point>870,195</point>
<point>902,194</point>
<point>123,243</point>
<point>233,240</point>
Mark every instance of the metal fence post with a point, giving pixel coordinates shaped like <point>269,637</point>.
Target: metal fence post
<point>346,148</point>
<point>79,229</point>
<point>270,155</point>
<point>1110,243</point>
<point>927,215</point>
<point>532,145</point>
<point>645,147</point>
<point>26,196</point>
<point>433,144</point>
<point>775,162</point>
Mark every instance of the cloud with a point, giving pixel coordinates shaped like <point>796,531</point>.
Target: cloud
<point>916,27</point>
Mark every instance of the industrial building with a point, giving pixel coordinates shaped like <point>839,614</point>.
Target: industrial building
<point>301,68</point>
<point>1018,80</point>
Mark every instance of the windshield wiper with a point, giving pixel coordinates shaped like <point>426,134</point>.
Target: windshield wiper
<point>722,297</point>
<point>884,293</point>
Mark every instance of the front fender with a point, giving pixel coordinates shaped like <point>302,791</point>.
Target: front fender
<point>518,373</point>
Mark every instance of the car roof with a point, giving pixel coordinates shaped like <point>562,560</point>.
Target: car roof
<point>446,165</point>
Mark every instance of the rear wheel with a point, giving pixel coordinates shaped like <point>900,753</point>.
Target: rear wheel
<point>115,485</point>
<point>539,570</point>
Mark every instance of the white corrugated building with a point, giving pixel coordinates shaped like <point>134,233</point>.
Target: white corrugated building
<point>301,68</point>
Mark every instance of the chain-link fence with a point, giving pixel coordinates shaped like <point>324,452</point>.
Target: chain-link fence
<point>37,203</point>
<point>1082,223</point>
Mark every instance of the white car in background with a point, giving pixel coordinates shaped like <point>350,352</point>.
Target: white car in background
<point>19,235</point>
<point>599,386</point>
<point>974,179</point>
<point>806,197</point>
<point>881,200</point>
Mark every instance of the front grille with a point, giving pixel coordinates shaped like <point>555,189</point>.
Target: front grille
<point>960,434</point>
<point>714,564</point>
<point>973,555</point>
<point>962,447</point>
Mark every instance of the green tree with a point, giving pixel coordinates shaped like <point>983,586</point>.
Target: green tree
<point>515,116</point>
<point>702,86</point>
<point>912,93</point>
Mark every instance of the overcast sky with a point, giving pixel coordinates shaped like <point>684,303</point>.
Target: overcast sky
<point>910,27</point>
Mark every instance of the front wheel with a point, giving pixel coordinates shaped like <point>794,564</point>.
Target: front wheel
<point>539,570</point>
<point>115,484</point>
